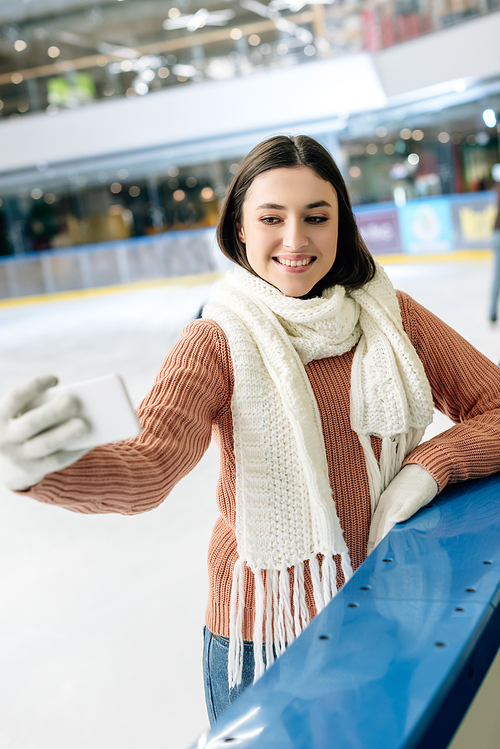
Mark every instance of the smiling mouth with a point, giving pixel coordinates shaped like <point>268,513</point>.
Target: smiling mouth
<point>294,263</point>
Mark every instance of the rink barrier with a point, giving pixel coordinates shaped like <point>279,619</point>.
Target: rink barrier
<point>121,262</point>
<point>394,661</point>
<point>196,279</point>
<point>440,227</point>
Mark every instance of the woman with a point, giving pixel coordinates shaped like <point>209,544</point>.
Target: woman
<point>317,381</point>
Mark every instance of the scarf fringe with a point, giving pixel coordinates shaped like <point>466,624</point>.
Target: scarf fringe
<point>273,610</point>
<point>259,618</point>
<point>237,605</point>
<point>346,567</point>
<point>300,610</point>
<point>269,621</point>
<point>394,451</point>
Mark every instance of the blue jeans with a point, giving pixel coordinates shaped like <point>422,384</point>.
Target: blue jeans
<point>215,655</point>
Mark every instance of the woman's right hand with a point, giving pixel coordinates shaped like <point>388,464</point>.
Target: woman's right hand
<point>33,438</point>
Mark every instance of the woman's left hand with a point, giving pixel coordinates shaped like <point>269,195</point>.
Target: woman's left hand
<point>412,488</point>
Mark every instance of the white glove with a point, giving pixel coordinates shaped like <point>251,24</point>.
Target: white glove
<point>32,438</point>
<point>412,488</point>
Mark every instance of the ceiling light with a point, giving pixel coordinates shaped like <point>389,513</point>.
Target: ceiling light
<point>53,51</point>
<point>184,71</point>
<point>20,45</point>
<point>489,117</point>
<point>282,24</point>
<point>141,87</point>
<point>197,20</point>
<point>482,138</point>
<point>398,171</point>
<point>207,193</point>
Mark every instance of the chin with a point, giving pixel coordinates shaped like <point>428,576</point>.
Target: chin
<point>296,293</point>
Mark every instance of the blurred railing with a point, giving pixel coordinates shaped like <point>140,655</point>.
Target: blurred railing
<point>108,263</point>
<point>395,659</point>
<point>440,224</point>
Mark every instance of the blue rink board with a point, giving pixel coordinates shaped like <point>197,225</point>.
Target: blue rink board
<point>395,659</point>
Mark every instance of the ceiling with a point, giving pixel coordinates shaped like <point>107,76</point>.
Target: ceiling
<point>130,47</point>
<point>65,53</point>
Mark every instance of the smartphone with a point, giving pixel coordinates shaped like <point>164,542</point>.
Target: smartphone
<point>106,407</point>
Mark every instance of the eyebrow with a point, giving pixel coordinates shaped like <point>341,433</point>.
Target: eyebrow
<point>276,207</point>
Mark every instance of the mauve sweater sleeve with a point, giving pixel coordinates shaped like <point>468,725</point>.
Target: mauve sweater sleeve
<point>466,387</point>
<point>190,391</point>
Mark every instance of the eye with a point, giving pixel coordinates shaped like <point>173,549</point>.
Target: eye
<point>270,220</point>
<point>316,219</point>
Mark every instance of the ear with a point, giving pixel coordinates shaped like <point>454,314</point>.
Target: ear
<point>241,233</point>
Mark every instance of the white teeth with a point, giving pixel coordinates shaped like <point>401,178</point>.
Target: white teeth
<point>294,263</point>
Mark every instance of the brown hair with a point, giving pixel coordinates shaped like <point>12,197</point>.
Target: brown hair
<point>353,266</point>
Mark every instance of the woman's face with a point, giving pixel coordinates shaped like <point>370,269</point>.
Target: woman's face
<point>289,228</point>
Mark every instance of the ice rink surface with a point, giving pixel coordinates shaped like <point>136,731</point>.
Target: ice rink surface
<point>101,616</point>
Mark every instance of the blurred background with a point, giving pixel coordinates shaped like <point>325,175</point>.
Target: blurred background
<point>122,123</point>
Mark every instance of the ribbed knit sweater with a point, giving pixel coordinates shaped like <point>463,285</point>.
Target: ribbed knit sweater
<point>191,401</point>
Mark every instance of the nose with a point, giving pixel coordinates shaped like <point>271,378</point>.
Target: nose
<point>295,236</point>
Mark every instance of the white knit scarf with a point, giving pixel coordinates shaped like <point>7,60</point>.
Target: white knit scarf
<point>285,513</point>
